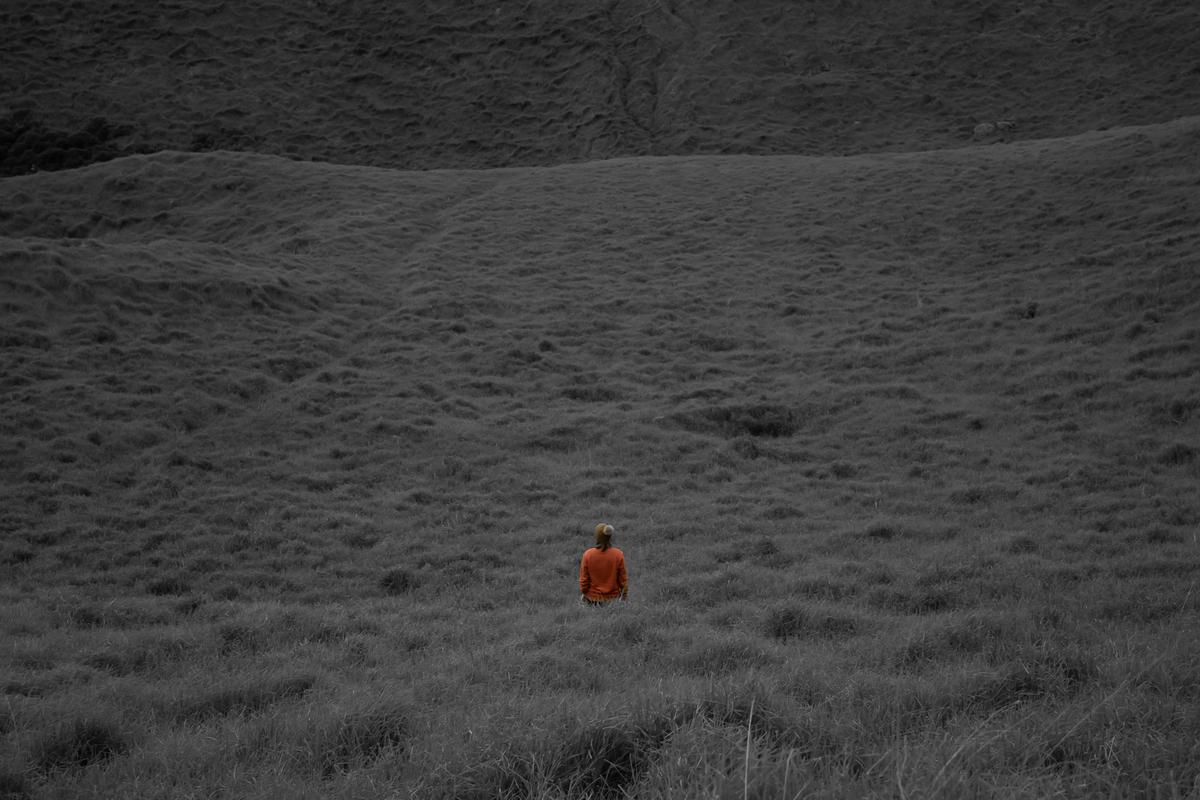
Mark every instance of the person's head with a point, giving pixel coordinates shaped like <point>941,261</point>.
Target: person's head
<point>604,534</point>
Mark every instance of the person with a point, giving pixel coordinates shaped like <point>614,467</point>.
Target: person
<point>602,576</point>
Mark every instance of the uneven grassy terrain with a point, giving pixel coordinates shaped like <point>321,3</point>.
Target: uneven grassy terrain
<point>298,461</point>
<point>476,83</point>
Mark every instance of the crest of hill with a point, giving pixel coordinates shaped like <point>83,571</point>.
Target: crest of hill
<point>475,84</point>
<point>268,203</point>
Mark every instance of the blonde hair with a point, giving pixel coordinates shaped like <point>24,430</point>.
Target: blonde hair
<point>604,533</point>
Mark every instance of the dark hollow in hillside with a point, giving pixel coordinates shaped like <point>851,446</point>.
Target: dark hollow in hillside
<point>28,145</point>
<point>755,419</point>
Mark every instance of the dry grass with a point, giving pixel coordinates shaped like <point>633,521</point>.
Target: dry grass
<point>298,461</point>
<point>473,83</point>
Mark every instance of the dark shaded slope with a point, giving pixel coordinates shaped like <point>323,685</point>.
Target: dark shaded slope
<point>438,84</point>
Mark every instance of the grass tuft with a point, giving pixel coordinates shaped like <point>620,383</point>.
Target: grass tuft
<point>168,585</point>
<point>398,581</point>
<point>245,697</point>
<point>1178,454</point>
<point>14,786</point>
<point>885,531</point>
<point>361,737</point>
<point>77,744</point>
<point>757,420</point>
<point>602,759</point>
<point>16,555</point>
<point>237,637</point>
<point>786,622</point>
<point>1022,544</point>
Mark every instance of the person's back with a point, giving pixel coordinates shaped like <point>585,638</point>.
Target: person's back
<point>602,575</point>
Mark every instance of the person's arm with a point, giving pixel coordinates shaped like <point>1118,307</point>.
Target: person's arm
<point>585,580</point>
<point>623,579</point>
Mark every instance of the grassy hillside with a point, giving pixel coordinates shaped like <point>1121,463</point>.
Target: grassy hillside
<point>299,461</point>
<point>485,84</point>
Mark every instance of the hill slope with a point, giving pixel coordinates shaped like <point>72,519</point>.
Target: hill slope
<point>480,84</point>
<point>894,443</point>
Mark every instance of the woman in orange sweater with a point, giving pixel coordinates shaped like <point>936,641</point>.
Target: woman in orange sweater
<point>602,576</point>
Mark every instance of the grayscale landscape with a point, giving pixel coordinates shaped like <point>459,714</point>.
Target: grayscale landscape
<point>331,330</point>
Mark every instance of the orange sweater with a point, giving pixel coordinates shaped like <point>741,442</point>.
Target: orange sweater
<point>602,574</point>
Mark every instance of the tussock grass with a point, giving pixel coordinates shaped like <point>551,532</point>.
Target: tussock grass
<point>397,581</point>
<point>328,740</point>
<point>78,744</point>
<point>797,621</point>
<point>241,697</point>
<point>297,477</point>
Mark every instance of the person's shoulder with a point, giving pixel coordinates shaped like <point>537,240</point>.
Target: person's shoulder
<point>616,551</point>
